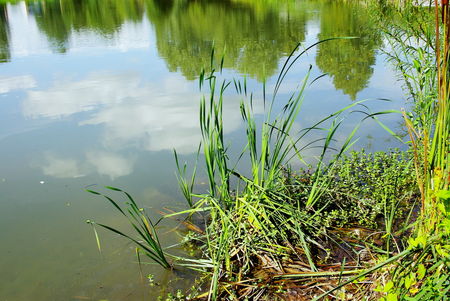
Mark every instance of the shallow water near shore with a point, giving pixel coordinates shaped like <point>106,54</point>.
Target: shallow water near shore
<point>96,93</point>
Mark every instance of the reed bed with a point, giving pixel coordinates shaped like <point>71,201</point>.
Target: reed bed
<point>359,226</point>
<point>276,231</point>
<point>262,239</point>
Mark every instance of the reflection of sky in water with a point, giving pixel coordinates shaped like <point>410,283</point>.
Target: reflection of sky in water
<point>109,112</point>
<point>136,109</point>
<point>132,113</point>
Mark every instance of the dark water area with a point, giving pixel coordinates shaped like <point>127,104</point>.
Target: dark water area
<point>101,92</point>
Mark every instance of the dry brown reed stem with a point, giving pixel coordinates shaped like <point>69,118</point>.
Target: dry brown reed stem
<point>438,158</point>
<point>414,136</point>
<point>430,144</point>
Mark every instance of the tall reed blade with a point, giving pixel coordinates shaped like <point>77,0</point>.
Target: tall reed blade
<point>147,238</point>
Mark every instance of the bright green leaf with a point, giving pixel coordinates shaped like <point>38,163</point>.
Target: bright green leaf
<point>421,270</point>
<point>388,286</point>
<point>392,297</point>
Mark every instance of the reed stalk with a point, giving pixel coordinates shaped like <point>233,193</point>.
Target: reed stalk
<point>146,240</point>
<point>431,143</point>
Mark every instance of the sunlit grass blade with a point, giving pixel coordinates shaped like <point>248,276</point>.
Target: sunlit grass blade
<point>148,240</point>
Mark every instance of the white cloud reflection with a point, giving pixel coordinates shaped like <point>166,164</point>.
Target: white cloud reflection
<point>57,167</point>
<point>135,114</point>
<point>132,113</point>
<point>12,83</point>
<point>101,162</point>
<point>67,97</point>
<point>110,164</point>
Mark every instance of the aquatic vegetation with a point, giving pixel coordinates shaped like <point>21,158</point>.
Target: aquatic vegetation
<point>185,186</point>
<point>275,220</point>
<point>300,222</point>
<point>421,55</point>
<point>147,240</point>
<point>364,187</point>
<point>359,225</point>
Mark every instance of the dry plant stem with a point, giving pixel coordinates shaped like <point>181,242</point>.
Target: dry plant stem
<point>433,163</point>
<point>414,136</point>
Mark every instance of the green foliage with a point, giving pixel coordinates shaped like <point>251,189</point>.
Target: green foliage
<point>347,62</point>
<point>147,240</point>
<point>4,34</point>
<point>425,273</point>
<point>362,186</point>
<point>267,214</point>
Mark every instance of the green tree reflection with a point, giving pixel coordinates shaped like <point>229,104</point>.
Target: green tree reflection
<point>253,38</point>
<point>57,19</point>
<point>5,54</point>
<point>254,35</point>
<point>348,62</point>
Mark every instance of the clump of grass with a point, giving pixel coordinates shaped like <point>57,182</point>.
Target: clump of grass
<point>147,240</point>
<point>255,230</point>
<point>186,186</point>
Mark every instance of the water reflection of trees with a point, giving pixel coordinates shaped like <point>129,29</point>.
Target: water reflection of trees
<point>57,19</point>
<point>254,39</point>
<point>253,34</point>
<point>348,62</point>
<point>4,34</point>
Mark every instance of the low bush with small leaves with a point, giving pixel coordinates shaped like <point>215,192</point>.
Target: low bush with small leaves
<point>362,189</point>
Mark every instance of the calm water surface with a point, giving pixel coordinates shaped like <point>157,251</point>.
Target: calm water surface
<point>100,92</point>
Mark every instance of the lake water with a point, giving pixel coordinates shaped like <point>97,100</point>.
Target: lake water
<point>101,92</point>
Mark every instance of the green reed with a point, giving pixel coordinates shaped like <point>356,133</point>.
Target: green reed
<point>420,44</point>
<point>421,53</point>
<point>146,239</point>
<point>258,216</point>
<point>186,186</point>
